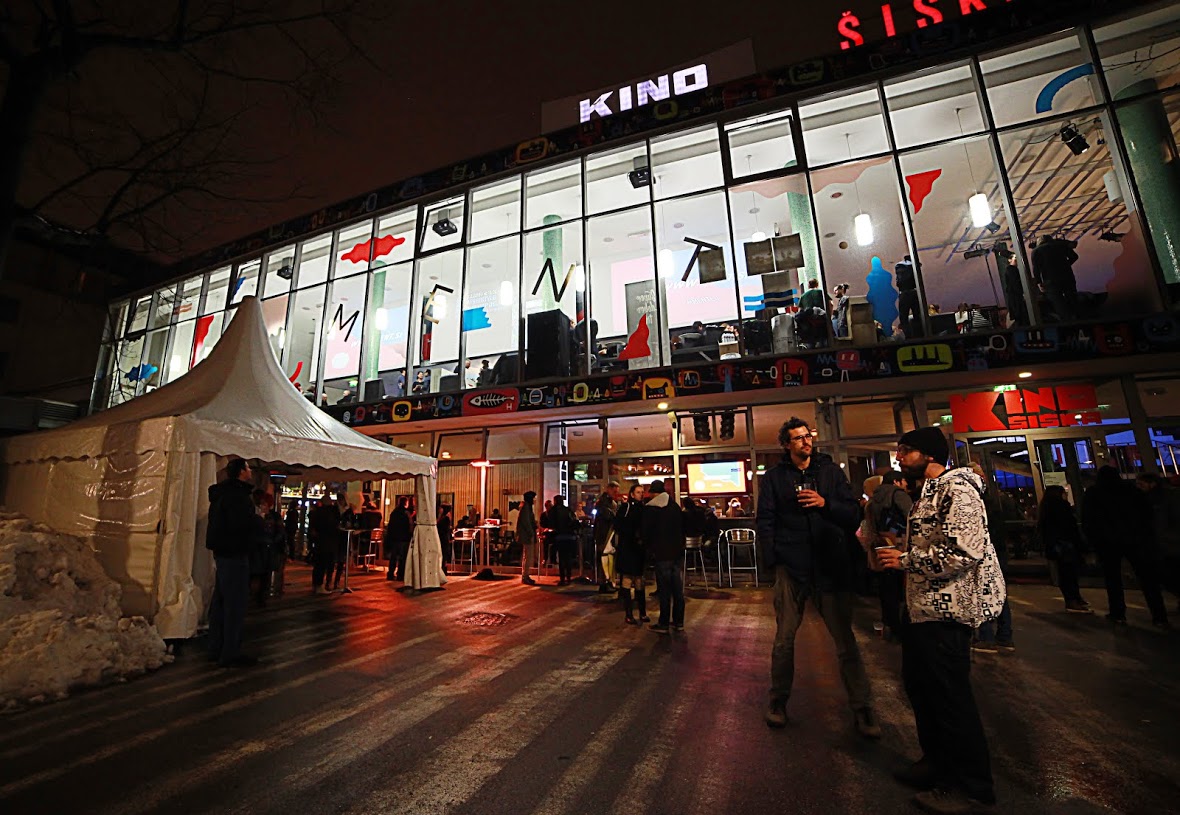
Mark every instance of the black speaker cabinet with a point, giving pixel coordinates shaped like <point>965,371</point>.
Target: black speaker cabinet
<point>547,352</point>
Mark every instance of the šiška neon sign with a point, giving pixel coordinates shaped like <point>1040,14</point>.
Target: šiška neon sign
<point>923,12</point>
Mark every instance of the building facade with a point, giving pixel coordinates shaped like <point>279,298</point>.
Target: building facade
<point>656,289</point>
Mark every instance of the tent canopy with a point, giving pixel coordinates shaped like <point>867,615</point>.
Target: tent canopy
<point>237,402</point>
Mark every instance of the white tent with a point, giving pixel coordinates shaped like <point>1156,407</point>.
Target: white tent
<point>134,479</point>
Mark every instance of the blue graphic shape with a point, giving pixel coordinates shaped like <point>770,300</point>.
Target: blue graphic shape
<point>1045,97</point>
<point>237,285</point>
<point>882,296</point>
<point>140,372</point>
<point>476,318</point>
<point>779,299</point>
<point>752,302</point>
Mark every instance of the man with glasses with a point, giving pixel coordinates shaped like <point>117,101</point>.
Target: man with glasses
<point>806,517</point>
<point>953,585</point>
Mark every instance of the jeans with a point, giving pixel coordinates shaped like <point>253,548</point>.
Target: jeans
<point>999,629</point>
<point>835,608</point>
<point>670,586</point>
<point>227,609</point>
<point>936,671</point>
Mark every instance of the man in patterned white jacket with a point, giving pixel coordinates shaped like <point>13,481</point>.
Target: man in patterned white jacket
<point>953,584</point>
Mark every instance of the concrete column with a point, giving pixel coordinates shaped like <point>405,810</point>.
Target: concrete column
<point>1139,423</point>
<point>371,346</point>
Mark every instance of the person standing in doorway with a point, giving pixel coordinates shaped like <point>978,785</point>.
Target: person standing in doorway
<point>631,556</point>
<point>231,528</point>
<point>908,306</point>
<point>806,516</point>
<point>953,585</point>
<point>399,531</point>
<point>662,531</point>
<point>1063,545</point>
<point>526,532</point>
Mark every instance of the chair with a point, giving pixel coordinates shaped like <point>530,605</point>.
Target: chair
<point>464,537</point>
<point>372,545</point>
<point>692,548</point>
<point>739,539</point>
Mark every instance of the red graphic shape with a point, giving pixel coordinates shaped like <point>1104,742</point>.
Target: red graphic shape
<point>199,341</point>
<point>848,360</point>
<point>975,411</point>
<point>792,373</point>
<point>294,376</point>
<point>484,402</point>
<point>920,185</point>
<point>360,253</point>
<point>637,347</point>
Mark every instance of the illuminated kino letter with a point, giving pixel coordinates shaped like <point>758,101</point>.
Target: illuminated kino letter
<point>648,91</point>
<point>659,89</point>
<point>690,79</point>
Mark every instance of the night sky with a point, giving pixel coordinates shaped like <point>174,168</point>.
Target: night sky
<point>442,82</point>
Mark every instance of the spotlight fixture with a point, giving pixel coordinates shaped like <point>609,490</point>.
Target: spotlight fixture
<point>977,252</point>
<point>1111,236</point>
<point>728,417</point>
<point>640,177</point>
<point>993,227</point>
<point>286,271</point>
<point>444,226</point>
<point>701,429</point>
<point>1074,140</point>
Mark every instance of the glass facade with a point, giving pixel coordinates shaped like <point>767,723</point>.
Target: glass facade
<point>688,245</point>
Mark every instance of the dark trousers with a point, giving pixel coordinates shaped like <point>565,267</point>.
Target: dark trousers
<point>567,546</point>
<point>1146,572</point>
<point>892,592</point>
<point>936,670</point>
<point>1063,296</point>
<point>1067,579</point>
<point>323,559</point>
<point>670,587</point>
<point>227,610</point>
<point>910,309</point>
<point>835,608</point>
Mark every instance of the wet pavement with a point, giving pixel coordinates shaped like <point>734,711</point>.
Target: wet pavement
<point>493,697</point>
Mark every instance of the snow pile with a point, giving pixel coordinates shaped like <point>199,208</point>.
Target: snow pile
<point>60,624</point>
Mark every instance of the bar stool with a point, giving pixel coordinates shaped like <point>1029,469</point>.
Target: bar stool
<point>694,546</point>
<point>739,539</point>
<point>464,537</point>
<point>368,557</point>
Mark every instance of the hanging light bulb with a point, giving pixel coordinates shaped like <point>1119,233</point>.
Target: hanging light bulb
<point>758,236</point>
<point>667,259</point>
<point>981,210</point>
<point>506,292</point>
<point>863,226</point>
<point>381,319</point>
<point>579,278</point>
<point>440,306</point>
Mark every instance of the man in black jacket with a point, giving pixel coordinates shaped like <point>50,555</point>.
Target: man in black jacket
<point>908,303</point>
<point>806,515</point>
<point>604,518</point>
<point>662,532</point>
<point>228,536</point>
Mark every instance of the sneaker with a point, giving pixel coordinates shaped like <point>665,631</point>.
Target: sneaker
<point>643,618</point>
<point>920,775</point>
<point>605,588</point>
<point>631,621</point>
<point>321,590</point>
<point>681,627</point>
<point>866,723</point>
<point>981,647</point>
<point>1116,620</point>
<point>1079,607</point>
<point>659,629</point>
<point>528,581</point>
<point>949,802</point>
<point>776,714</point>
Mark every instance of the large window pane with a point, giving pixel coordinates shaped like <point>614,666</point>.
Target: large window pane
<point>763,144</point>
<point>1139,55</point>
<point>554,294</point>
<point>686,162</point>
<point>442,224</point>
<point>150,371</point>
<point>843,127</point>
<point>651,431</point>
<point>437,319</point>
<point>163,307</point>
<point>182,350</point>
<point>395,237</point>
<point>274,316</point>
<point>617,179</point>
<point>125,378</point>
<point>514,442</point>
<point>495,210</point>
<point>860,221</point>
<point>490,308</point>
<point>218,291</point>
<point>1076,192</point>
<point>140,311</point>
<point>354,249</point>
<point>386,323</point>
<point>314,259</point>
<point>695,230</point>
<point>342,356</point>
<point>301,346</point>
<point>777,258</point>
<point>1035,81</point>
<point>245,281</point>
<point>207,334</point>
<point>956,232</point>
<point>553,195</point>
<point>280,268</point>
<point>934,105</point>
<point>1151,130</point>
<point>190,296</point>
<point>624,329</point>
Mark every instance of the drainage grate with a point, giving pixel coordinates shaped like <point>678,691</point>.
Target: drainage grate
<point>486,619</point>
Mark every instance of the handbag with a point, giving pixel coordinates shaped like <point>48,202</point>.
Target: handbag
<point>609,548</point>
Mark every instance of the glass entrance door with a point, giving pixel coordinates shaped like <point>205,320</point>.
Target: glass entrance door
<point>1067,461</point>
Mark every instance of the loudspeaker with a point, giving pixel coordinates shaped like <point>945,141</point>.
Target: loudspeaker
<point>547,353</point>
<point>505,371</point>
<point>374,390</point>
<point>759,339</point>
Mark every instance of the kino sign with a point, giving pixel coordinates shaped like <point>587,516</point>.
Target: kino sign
<point>1025,409</point>
<point>650,90</point>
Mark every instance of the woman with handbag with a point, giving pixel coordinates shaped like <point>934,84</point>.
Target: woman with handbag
<point>630,556</point>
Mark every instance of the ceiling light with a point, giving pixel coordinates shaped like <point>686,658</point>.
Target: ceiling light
<point>758,236</point>
<point>1074,140</point>
<point>579,278</point>
<point>666,261</point>
<point>381,319</point>
<point>439,311</point>
<point>506,292</point>
<point>1025,375</point>
<point>981,210</point>
<point>662,406</point>
<point>444,226</point>
<point>863,226</point>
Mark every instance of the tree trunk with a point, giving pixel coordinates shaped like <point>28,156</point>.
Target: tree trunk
<point>26,85</point>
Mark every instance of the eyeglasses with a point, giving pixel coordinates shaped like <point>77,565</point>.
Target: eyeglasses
<point>904,450</point>
<point>801,437</point>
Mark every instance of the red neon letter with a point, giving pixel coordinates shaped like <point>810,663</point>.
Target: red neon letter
<point>887,16</point>
<point>975,411</point>
<point>847,26</point>
<point>925,7</point>
<point>968,6</point>
<point>1039,401</point>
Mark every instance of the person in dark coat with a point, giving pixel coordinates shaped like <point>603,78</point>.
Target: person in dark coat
<point>662,532</point>
<point>564,523</point>
<point>908,305</point>
<point>228,535</point>
<point>526,533</point>
<point>630,556</point>
<point>1117,520</point>
<point>399,531</point>
<point>885,519</point>
<point>604,518</point>
<point>291,525</point>
<point>324,525</point>
<point>1053,261</point>
<point>1011,283</point>
<point>446,529</point>
<point>1063,544</point>
<point>806,517</point>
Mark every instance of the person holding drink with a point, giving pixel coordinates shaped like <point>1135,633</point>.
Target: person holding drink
<point>806,516</point>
